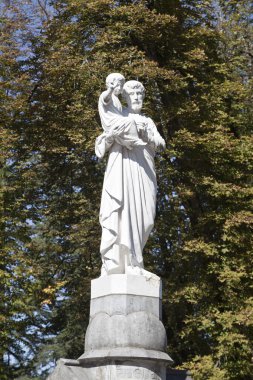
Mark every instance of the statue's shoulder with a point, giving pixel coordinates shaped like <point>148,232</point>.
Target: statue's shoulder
<point>111,105</point>
<point>150,121</point>
<point>101,100</point>
<point>146,119</point>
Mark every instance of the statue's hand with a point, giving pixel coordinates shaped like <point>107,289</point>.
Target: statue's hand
<point>159,142</point>
<point>112,85</point>
<point>156,139</point>
<point>140,125</point>
<point>110,136</point>
<point>142,129</point>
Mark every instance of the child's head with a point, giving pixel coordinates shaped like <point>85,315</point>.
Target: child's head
<point>115,81</point>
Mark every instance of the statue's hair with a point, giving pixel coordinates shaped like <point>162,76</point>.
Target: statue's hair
<point>132,85</point>
<point>111,77</point>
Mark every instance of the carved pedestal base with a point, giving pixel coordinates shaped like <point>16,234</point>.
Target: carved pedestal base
<point>71,370</point>
<point>125,338</point>
<point>128,370</point>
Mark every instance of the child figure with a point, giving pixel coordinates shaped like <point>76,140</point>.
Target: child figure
<point>116,127</point>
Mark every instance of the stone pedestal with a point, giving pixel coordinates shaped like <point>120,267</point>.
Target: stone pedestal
<point>71,370</point>
<point>125,338</point>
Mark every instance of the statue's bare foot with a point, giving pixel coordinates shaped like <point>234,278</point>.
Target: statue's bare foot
<point>134,270</point>
<point>111,267</point>
<point>141,272</point>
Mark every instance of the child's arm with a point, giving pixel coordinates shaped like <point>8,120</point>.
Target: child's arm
<point>107,95</point>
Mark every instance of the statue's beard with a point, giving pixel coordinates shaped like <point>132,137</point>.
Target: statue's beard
<point>136,107</point>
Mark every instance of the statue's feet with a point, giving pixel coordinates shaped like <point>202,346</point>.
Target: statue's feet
<point>141,272</point>
<point>135,270</point>
<point>111,267</point>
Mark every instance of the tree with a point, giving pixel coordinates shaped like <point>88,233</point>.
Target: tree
<point>15,283</point>
<point>213,184</point>
<point>23,329</point>
<point>201,242</point>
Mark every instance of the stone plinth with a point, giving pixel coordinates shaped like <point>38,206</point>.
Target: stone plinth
<point>71,370</point>
<point>127,284</point>
<point>125,338</point>
<point>122,294</point>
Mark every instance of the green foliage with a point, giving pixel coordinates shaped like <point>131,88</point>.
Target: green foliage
<point>199,92</point>
<point>20,326</point>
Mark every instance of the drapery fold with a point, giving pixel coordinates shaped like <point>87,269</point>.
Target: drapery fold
<point>128,201</point>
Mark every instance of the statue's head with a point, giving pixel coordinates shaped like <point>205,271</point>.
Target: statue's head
<point>134,93</point>
<point>117,81</point>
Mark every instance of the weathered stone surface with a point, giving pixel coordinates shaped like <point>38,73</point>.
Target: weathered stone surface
<point>118,370</point>
<point>125,338</point>
<point>140,329</point>
<point>125,304</point>
<point>131,370</point>
<point>126,284</point>
<point>137,354</point>
<point>69,372</point>
<point>125,320</point>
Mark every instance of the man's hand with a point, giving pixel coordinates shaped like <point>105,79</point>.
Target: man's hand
<point>110,135</point>
<point>156,139</point>
<point>159,142</point>
<point>140,125</point>
<point>141,128</point>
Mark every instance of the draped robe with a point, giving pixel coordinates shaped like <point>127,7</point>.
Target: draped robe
<point>128,200</point>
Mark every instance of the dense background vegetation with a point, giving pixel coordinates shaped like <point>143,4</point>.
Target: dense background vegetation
<point>195,60</point>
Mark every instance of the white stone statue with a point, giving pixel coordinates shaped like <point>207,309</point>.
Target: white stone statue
<point>128,200</point>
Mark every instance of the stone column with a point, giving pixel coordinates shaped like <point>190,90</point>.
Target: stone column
<point>125,338</point>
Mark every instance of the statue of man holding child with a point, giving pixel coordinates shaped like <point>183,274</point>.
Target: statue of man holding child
<point>128,201</point>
